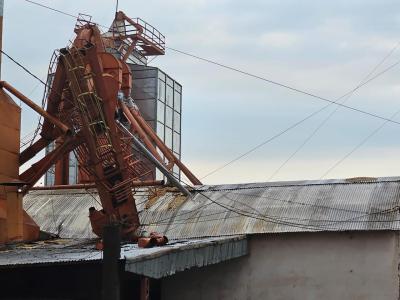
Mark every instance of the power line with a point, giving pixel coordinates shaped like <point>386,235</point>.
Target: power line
<point>232,191</point>
<point>287,221</point>
<point>60,11</point>
<point>202,219</point>
<point>375,131</point>
<point>282,85</point>
<point>23,67</point>
<point>50,8</point>
<point>268,218</point>
<point>245,213</point>
<point>295,124</point>
<point>321,124</point>
<point>259,217</point>
<point>248,74</point>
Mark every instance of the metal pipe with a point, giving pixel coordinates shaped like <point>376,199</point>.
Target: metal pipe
<point>159,143</point>
<point>136,127</point>
<point>154,160</point>
<point>167,152</point>
<point>37,170</point>
<point>35,107</point>
<point>32,150</point>
<point>93,185</point>
<point>64,187</point>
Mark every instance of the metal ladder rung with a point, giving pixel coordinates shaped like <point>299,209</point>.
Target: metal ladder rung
<point>87,76</point>
<point>77,68</point>
<point>84,94</point>
<point>96,123</point>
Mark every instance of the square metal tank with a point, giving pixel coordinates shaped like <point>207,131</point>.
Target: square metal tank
<point>159,98</point>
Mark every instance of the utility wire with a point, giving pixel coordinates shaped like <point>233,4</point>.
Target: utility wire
<point>287,221</point>
<point>321,124</point>
<point>50,8</point>
<point>282,85</point>
<point>249,74</point>
<point>361,143</point>
<point>23,67</point>
<point>258,215</point>
<point>295,124</point>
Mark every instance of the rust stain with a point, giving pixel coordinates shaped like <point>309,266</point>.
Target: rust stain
<point>177,201</point>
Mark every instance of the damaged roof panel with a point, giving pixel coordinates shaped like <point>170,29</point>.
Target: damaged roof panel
<point>326,205</point>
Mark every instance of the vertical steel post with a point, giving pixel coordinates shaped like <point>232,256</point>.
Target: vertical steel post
<point>144,288</point>
<point>111,254</point>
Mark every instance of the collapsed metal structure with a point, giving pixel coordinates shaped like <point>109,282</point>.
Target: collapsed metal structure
<point>89,110</point>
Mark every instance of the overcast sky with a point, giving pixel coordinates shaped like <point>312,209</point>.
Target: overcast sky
<point>323,47</point>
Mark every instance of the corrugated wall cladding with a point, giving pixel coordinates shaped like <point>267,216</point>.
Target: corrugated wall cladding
<point>239,209</point>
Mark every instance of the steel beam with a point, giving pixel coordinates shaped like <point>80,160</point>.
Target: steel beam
<point>164,149</point>
<point>35,107</point>
<point>154,160</point>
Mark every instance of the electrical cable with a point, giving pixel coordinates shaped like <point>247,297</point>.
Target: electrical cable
<point>283,85</point>
<point>248,74</point>
<point>269,198</point>
<point>202,220</point>
<point>360,144</point>
<point>170,223</point>
<point>23,67</point>
<point>279,221</point>
<point>324,121</point>
<point>251,75</point>
<point>284,221</point>
<point>231,208</point>
<point>50,8</point>
<point>294,125</point>
<point>260,78</point>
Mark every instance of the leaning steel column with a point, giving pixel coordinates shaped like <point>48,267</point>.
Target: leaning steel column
<point>160,166</point>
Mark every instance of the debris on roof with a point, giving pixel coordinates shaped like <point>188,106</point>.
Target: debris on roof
<point>151,262</point>
<point>164,261</point>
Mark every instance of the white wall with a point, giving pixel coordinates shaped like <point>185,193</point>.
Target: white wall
<point>328,265</point>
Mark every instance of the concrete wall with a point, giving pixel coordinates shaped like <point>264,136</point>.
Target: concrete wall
<point>329,266</point>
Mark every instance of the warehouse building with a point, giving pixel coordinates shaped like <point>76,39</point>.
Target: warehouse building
<point>330,239</point>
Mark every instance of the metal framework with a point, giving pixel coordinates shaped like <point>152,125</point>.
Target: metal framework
<point>89,111</point>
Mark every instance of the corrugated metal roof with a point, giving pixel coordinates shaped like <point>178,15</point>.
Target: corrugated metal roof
<point>172,258</point>
<point>151,262</point>
<point>59,251</point>
<point>326,205</point>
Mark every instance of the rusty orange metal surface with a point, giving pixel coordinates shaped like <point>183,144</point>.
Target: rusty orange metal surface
<point>15,224</point>
<point>163,148</point>
<point>93,185</point>
<point>84,114</point>
<point>34,106</point>
<point>153,240</point>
